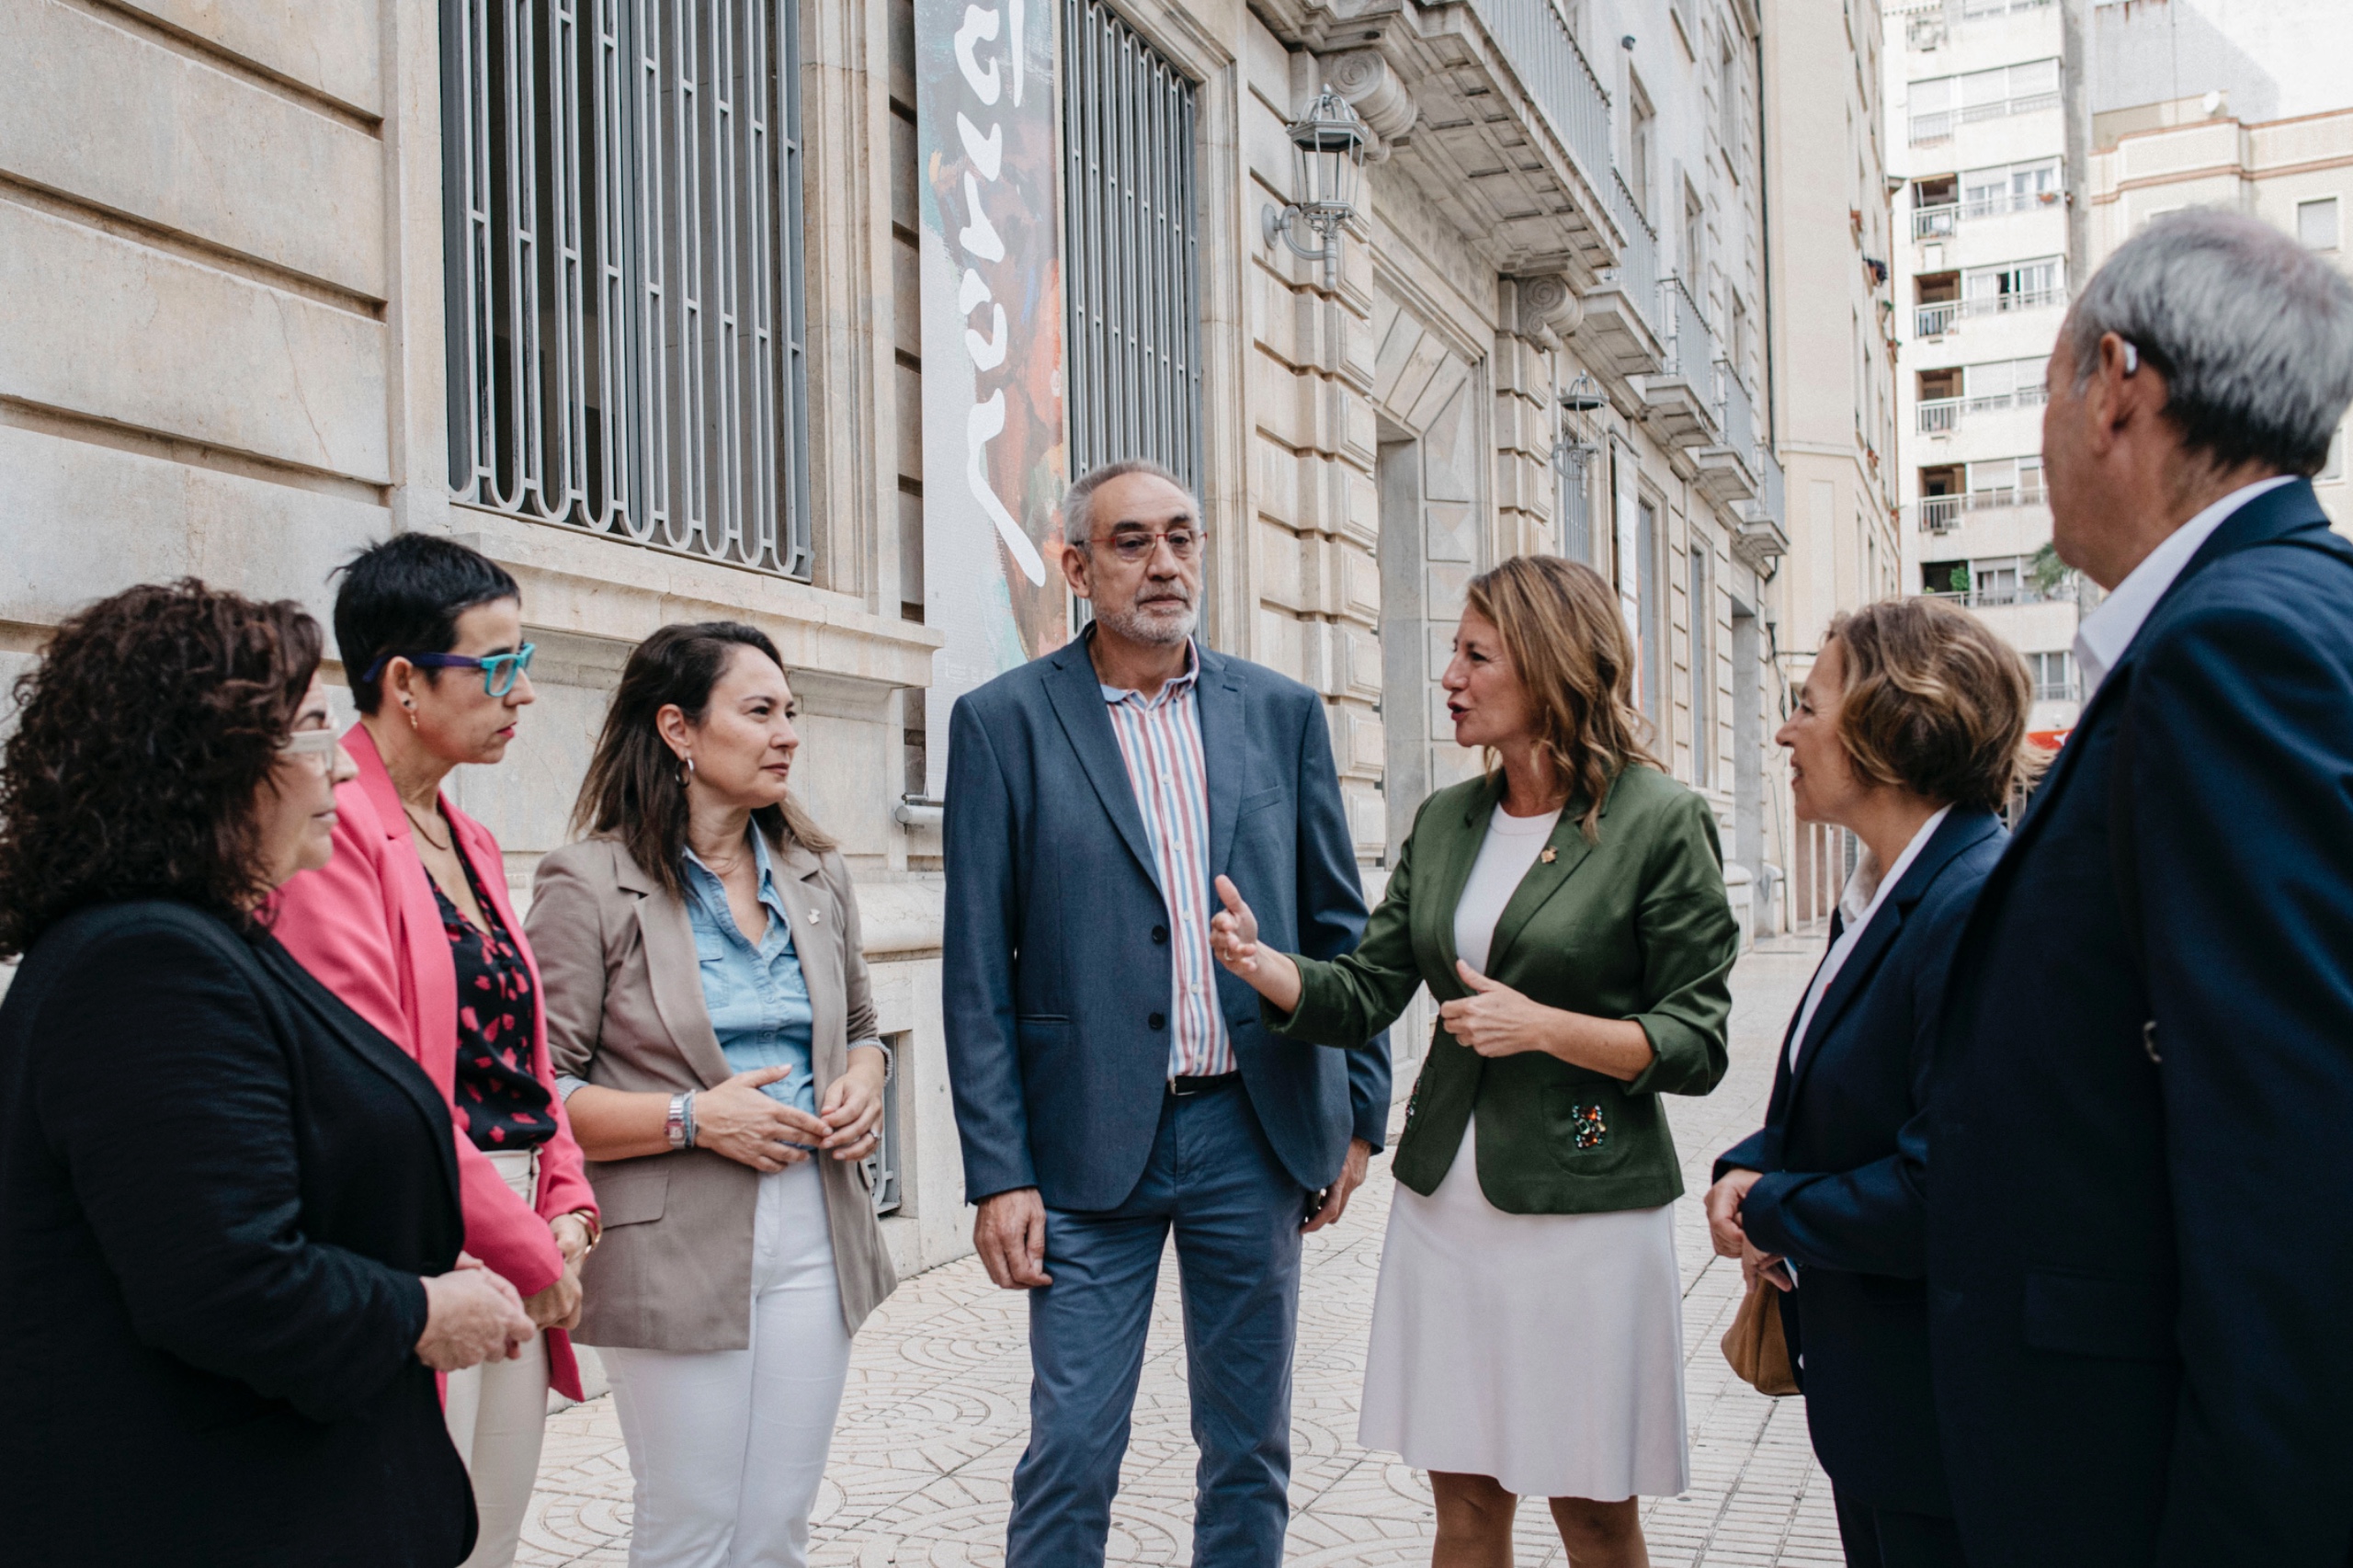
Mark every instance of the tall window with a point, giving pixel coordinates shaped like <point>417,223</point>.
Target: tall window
<point>1647,606</point>
<point>1572,463</point>
<point>1641,135</point>
<point>621,197</point>
<point>1703,668</point>
<point>1129,245</point>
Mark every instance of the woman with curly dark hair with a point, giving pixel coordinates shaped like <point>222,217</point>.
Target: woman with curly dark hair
<point>228,1220</point>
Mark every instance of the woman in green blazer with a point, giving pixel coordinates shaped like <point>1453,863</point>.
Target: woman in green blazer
<point>1568,910</point>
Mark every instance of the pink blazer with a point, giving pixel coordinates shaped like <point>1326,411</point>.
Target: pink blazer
<point>367,926</point>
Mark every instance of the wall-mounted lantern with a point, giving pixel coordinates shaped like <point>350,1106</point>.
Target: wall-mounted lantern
<point>1328,161</point>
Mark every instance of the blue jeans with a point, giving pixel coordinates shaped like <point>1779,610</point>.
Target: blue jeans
<point>1236,1212</point>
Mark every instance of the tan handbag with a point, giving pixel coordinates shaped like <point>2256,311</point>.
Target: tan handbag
<point>1754,1345</point>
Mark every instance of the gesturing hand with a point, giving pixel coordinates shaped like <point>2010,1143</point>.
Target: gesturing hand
<point>748,1127</point>
<point>1723,1212</point>
<point>1234,942</point>
<point>1495,1020</point>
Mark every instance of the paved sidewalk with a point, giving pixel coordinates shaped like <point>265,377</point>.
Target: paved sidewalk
<point>937,1410</point>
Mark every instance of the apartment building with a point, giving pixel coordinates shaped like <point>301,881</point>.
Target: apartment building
<point>802,314</point>
<point>2198,103</point>
<point>1978,149</point>
<point>1834,328</point>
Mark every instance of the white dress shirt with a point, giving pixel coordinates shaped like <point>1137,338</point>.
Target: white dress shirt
<point>2107,631</point>
<point>1866,890</point>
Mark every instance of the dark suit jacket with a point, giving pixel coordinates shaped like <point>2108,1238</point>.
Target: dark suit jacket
<point>2140,1263</point>
<point>1057,973</point>
<point>1844,1194</point>
<point>218,1188</point>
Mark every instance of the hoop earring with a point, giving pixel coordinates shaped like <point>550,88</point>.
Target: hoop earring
<point>686,771</point>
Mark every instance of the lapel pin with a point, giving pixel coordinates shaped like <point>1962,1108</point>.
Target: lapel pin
<point>815,915</point>
<point>1550,854</point>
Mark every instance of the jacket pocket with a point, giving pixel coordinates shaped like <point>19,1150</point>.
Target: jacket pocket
<point>1261,800</point>
<point>1584,1127</point>
<point>630,1192</point>
<point>2114,1317</point>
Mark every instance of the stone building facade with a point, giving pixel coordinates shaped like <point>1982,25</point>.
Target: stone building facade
<point>280,278</point>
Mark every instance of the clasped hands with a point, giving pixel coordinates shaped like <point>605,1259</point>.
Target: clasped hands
<point>1731,1240</point>
<point>748,1126</point>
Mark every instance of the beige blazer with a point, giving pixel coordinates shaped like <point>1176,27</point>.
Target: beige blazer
<point>624,996</point>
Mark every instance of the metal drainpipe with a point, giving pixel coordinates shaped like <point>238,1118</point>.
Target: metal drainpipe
<point>1765,245</point>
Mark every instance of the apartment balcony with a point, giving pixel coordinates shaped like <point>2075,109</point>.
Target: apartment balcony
<point>1944,513</point>
<point>1621,325</point>
<point>1944,219</point>
<point>1763,536</point>
<point>1680,404</point>
<point>1491,107</point>
<point>1926,130</point>
<point>1733,472</point>
<point>1927,24</point>
<point>1940,319</point>
<point>1943,415</point>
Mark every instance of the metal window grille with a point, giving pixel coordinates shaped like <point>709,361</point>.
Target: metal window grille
<point>1572,464</point>
<point>1130,267</point>
<point>623,252</point>
<point>882,1165</point>
<point>1703,669</point>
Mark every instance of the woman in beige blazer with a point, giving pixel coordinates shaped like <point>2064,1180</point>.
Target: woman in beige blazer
<point>709,1012</point>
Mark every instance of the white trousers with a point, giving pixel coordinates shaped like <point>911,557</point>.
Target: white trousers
<point>727,1447</point>
<point>497,1413</point>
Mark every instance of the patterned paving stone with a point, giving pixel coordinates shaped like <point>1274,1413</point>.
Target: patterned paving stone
<point>937,1410</point>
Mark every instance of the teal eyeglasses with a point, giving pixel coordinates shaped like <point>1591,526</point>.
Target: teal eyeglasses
<point>499,671</point>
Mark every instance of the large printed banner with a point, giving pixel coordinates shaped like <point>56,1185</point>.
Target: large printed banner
<point>993,460</point>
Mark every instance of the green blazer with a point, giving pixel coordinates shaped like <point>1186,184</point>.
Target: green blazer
<point>1636,926</point>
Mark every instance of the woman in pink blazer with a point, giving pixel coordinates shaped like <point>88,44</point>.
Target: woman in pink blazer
<point>410,925</point>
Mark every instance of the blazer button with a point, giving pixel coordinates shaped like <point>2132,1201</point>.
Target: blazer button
<point>1160,936</point>
<point>1158,1020</point>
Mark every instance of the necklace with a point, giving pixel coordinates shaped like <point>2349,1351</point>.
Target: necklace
<point>422,830</point>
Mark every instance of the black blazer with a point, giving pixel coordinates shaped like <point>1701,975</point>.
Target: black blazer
<point>1845,1155</point>
<point>218,1188</point>
<point>2140,1265</point>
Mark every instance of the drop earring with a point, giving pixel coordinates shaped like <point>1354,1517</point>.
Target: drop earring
<point>412,714</point>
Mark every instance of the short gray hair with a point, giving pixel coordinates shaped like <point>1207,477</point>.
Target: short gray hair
<point>1078,501</point>
<point>2253,333</point>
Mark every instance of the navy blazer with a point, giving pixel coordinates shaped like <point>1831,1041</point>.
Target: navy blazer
<point>1845,1155</point>
<point>2139,1262</point>
<point>1057,973</point>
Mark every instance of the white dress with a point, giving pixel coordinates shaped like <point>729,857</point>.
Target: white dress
<point>1544,1350</point>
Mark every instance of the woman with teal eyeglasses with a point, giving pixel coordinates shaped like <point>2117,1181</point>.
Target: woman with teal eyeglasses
<point>709,1013</point>
<point>411,926</point>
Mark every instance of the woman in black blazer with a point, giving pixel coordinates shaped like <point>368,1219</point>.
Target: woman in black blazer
<point>229,1222</point>
<point>1911,732</point>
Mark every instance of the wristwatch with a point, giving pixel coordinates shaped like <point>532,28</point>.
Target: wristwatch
<point>680,1123</point>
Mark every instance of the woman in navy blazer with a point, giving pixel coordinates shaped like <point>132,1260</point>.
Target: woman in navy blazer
<point>1910,732</point>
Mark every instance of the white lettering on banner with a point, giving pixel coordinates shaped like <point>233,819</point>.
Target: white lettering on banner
<point>987,153</point>
<point>980,235</point>
<point>978,24</point>
<point>986,423</point>
<point>1015,40</point>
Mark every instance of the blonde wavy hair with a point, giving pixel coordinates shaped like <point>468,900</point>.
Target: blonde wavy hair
<point>1561,624</point>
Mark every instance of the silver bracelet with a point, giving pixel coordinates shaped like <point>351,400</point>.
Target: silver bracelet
<point>690,1118</point>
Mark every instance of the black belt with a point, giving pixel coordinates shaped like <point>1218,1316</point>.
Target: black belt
<point>1186,1088</point>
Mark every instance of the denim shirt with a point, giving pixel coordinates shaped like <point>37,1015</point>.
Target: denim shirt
<point>754,992</point>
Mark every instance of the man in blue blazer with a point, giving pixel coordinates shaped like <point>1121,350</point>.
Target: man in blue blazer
<point>2142,1122</point>
<point>1112,1083</point>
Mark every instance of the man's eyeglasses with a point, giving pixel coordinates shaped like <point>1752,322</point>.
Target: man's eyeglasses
<point>1137,546</point>
<point>498,670</point>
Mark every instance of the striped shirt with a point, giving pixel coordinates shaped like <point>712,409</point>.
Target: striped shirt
<point>1160,739</point>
